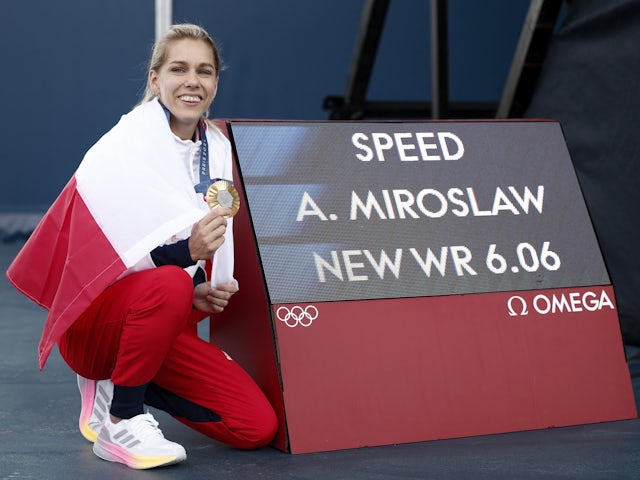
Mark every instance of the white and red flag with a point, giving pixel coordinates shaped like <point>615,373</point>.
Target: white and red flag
<point>130,194</point>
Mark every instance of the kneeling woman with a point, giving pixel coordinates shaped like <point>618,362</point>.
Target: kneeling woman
<point>130,258</point>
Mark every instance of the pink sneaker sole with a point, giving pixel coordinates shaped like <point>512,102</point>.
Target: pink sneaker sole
<point>114,453</point>
<point>87,394</point>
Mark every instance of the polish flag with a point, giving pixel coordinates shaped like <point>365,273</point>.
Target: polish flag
<point>130,194</point>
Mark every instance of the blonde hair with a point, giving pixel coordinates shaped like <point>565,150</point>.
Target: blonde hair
<point>178,32</point>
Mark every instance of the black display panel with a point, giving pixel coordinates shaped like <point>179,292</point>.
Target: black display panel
<point>352,210</point>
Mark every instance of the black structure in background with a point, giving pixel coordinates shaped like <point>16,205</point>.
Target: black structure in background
<point>590,83</point>
<point>585,73</point>
<point>527,62</point>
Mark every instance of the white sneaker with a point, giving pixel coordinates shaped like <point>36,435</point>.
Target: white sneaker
<point>96,401</point>
<point>137,442</point>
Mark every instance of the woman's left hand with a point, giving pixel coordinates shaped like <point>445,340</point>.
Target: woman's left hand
<point>213,300</point>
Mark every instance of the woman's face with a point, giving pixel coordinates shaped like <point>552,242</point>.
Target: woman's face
<point>186,84</point>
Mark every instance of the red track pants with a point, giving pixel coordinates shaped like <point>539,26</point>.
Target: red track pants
<point>140,330</point>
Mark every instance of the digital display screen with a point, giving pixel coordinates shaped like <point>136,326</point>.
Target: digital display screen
<point>369,210</point>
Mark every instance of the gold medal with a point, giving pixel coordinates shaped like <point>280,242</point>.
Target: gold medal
<point>223,194</point>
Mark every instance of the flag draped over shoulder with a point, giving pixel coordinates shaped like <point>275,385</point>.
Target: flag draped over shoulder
<point>129,195</point>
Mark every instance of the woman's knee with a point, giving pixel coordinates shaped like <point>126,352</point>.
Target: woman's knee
<point>260,432</point>
<point>173,278</point>
<point>265,431</point>
<point>174,288</point>
<point>251,432</point>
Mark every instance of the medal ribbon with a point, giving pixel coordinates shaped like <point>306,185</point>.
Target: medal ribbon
<point>205,179</point>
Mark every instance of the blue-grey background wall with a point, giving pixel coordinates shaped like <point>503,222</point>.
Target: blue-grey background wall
<point>70,68</point>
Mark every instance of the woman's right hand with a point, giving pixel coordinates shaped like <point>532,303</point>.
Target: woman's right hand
<point>208,234</point>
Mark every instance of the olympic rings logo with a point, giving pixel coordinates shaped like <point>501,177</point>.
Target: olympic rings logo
<point>296,315</point>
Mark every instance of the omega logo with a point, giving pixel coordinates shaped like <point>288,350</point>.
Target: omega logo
<point>573,302</point>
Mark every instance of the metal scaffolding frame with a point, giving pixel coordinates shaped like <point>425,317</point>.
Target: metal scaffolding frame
<point>526,64</point>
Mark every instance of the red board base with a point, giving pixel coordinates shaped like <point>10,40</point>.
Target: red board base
<point>378,372</point>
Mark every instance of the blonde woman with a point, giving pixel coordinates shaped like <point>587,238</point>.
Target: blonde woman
<point>130,258</point>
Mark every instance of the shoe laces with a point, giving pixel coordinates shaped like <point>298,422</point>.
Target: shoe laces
<point>144,426</point>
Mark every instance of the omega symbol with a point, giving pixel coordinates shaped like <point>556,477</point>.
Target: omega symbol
<point>517,306</point>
